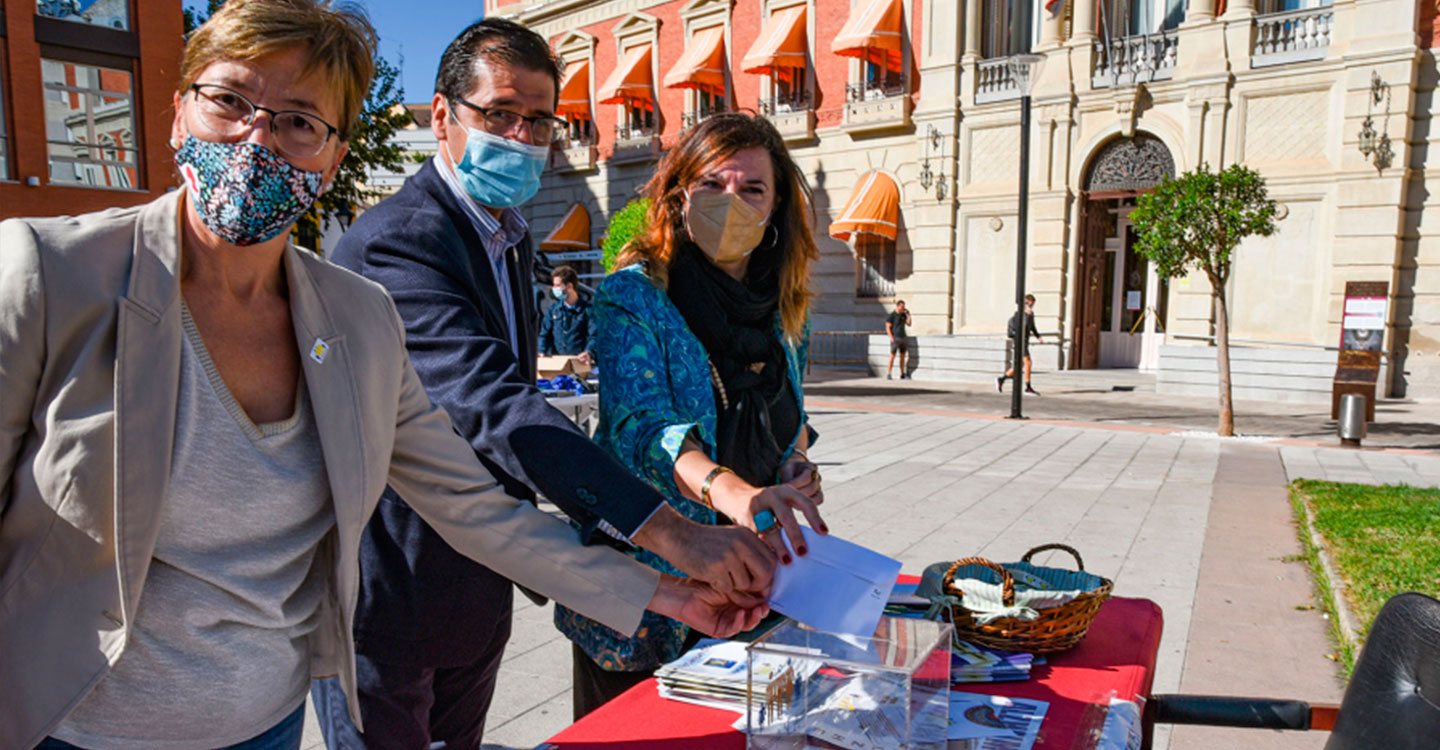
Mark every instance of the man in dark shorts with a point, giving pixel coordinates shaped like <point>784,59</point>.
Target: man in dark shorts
<point>1024,346</point>
<point>895,324</point>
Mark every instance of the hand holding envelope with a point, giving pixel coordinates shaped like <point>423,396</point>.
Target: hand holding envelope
<point>838,586</point>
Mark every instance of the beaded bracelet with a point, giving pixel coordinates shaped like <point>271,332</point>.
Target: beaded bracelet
<point>709,479</point>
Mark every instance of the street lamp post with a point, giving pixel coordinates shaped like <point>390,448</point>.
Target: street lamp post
<point>1024,69</point>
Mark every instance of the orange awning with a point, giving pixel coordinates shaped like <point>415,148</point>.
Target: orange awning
<point>873,208</point>
<point>781,43</point>
<point>873,33</point>
<point>632,80</point>
<point>572,233</point>
<point>703,64</point>
<point>575,90</point>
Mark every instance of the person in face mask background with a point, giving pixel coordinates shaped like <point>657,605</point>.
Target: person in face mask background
<point>567,326</point>
<point>455,254</point>
<point>702,337</point>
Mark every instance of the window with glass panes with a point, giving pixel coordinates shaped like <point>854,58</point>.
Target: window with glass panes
<point>880,78</point>
<point>112,14</point>
<point>90,125</point>
<point>4,110</point>
<point>581,129</point>
<point>710,101</point>
<point>1007,28</point>
<point>1140,17</point>
<point>874,266</point>
<point>641,114</point>
<point>789,86</point>
<point>1280,6</point>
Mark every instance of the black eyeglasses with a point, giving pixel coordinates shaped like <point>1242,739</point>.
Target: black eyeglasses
<point>544,130</point>
<point>227,113</point>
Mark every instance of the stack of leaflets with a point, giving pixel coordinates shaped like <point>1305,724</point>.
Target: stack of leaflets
<point>714,674</point>
<point>994,722</point>
<point>904,603</point>
<point>970,662</point>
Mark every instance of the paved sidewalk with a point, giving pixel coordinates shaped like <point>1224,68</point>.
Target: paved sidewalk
<point>1125,398</point>
<point>1198,524</point>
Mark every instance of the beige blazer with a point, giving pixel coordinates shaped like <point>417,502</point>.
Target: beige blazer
<point>89,373</point>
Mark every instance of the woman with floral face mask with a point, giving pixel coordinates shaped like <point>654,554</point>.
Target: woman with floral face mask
<point>197,419</point>
<point>702,338</point>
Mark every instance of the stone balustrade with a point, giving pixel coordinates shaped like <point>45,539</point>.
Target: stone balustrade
<point>1292,36</point>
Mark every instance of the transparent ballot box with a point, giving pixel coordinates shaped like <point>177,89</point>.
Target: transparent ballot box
<point>811,689</point>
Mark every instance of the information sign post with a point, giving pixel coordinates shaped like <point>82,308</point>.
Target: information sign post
<point>1362,334</point>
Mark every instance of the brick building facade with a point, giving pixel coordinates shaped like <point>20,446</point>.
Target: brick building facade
<point>1129,92</point>
<point>85,103</point>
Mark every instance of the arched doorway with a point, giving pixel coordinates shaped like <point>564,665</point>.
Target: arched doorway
<point>1120,304</point>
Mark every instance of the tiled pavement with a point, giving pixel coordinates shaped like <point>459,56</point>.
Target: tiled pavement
<point>1140,505</point>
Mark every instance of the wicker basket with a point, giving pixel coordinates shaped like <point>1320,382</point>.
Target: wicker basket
<point>1056,628</point>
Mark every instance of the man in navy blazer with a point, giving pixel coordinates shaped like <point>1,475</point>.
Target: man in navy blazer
<point>455,255</point>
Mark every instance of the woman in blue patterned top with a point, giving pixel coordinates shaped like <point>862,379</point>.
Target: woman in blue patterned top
<point>702,337</point>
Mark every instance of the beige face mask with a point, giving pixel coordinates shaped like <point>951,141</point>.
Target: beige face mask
<point>724,226</point>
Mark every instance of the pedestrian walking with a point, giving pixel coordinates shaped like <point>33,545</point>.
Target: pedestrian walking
<point>1024,352</point>
<point>895,324</point>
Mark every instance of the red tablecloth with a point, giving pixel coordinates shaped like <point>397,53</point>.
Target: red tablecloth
<point>1117,656</point>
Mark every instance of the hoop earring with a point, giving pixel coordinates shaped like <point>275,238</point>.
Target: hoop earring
<point>772,243</point>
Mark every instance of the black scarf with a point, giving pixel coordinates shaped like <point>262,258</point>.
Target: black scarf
<point>735,322</point>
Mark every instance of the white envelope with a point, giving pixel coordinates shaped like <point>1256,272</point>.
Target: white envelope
<point>838,586</point>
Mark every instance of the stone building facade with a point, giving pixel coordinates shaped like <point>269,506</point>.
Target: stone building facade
<point>1128,93</point>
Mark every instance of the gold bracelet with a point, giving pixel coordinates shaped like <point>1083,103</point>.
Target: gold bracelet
<point>709,479</point>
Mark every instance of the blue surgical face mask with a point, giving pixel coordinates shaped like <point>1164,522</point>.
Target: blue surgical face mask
<point>558,291</point>
<point>498,172</point>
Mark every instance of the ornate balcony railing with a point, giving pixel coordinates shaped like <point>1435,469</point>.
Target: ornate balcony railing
<point>633,132</point>
<point>1135,59</point>
<point>994,81</point>
<point>695,117</point>
<point>869,91</point>
<point>873,282</point>
<point>780,105</point>
<point>584,139</point>
<point>792,115</point>
<point>1292,36</point>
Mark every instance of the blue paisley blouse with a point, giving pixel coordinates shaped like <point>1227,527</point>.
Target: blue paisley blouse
<point>656,390</point>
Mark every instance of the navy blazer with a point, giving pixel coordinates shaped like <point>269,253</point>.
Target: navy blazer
<point>420,600</point>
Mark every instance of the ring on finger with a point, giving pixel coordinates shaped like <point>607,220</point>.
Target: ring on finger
<point>764,521</point>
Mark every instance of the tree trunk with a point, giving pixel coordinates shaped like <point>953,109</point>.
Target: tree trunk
<point>1222,362</point>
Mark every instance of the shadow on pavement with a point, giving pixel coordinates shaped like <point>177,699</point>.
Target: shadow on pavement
<point>863,391</point>
<point>1405,428</point>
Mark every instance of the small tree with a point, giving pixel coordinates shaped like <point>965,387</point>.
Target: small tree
<point>625,225</point>
<point>372,147</point>
<point>1195,222</point>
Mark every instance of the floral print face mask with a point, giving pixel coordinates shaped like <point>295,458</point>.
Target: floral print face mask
<point>245,192</point>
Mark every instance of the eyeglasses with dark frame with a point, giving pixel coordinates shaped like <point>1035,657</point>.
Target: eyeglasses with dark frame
<point>544,130</point>
<point>228,113</point>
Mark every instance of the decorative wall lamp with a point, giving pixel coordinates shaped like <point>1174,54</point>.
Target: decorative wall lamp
<point>927,177</point>
<point>1376,147</point>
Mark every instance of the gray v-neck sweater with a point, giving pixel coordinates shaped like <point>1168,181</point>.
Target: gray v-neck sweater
<point>219,650</point>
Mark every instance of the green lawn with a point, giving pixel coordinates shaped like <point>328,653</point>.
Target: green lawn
<point>1384,540</point>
